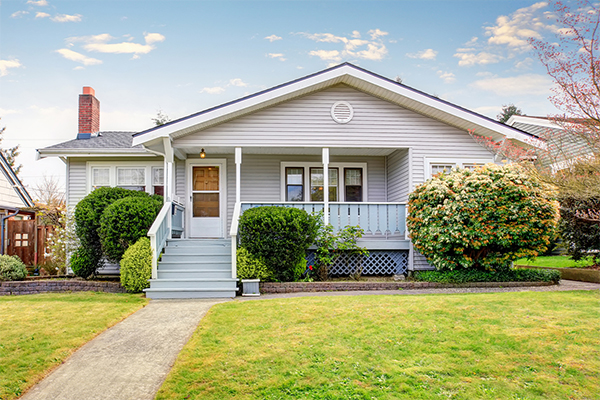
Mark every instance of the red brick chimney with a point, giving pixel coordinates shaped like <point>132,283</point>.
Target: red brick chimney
<point>89,114</point>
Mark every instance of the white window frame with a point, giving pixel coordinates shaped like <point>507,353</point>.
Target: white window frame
<point>113,165</point>
<point>458,162</point>
<point>341,181</point>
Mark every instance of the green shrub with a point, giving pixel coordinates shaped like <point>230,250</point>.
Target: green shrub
<point>331,246</point>
<point>251,267</point>
<point>278,235</point>
<point>136,266</point>
<point>510,275</point>
<point>482,219</point>
<point>83,262</point>
<point>580,234</point>
<point>12,268</point>
<point>124,222</point>
<point>88,213</point>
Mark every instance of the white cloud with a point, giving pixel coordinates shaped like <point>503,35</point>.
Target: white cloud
<point>100,43</point>
<point>6,64</point>
<point>273,38</point>
<point>19,14</point>
<point>38,2</point>
<point>237,82</point>
<point>279,56</point>
<point>78,57</point>
<point>515,30</point>
<point>353,46</point>
<point>213,90</point>
<point>448,77</point>
<point>428,54</point>
<point>152,38</point>
<point>524,64</point>
<point>527,84</point>
<point>482,58</point>
<point>66,18</point>
<point>42,15</point>
<point>78,68</point>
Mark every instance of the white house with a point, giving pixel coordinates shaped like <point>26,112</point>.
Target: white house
<point>374,138</point>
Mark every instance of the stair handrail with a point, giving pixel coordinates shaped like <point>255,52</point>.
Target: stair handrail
<point>158,233</point>
<point>235,219</point>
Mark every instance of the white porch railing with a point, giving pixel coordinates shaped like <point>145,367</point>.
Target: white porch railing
<point>235,219</point>
<point>169,219</point>
<point>376,219</point>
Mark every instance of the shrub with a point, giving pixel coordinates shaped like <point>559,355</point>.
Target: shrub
<point>331,246</point>
<point>124,222</point>
<point>136,266</point>
<point>483,218</point>
<point>510,275</point>
<point>278,235</point>
<point>88,213</point>
<point>251,267</point>
<point>83,262</point>
<point>580,234</point>
<point>12,268</point>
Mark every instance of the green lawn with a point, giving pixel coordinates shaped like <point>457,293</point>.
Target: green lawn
<point>523,345</point>
<point>38,332</point>
<point>555,262</point>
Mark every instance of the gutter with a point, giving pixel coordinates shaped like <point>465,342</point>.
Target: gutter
<point>2,227</point>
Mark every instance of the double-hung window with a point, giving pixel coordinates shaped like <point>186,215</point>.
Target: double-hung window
<point>306,182</point>
<point>158,180</point>
<point>437,166</point>
<point>317,184</point>
<point>294,184</point>
<point>131,178</point>
<point>129,175</point>
<point>100,177</point>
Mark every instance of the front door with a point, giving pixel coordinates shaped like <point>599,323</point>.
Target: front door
<point>206,199</point>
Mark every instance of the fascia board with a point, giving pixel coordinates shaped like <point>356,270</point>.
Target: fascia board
<point>91,152</point>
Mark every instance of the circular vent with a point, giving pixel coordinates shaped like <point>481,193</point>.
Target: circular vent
<point>342,112</point>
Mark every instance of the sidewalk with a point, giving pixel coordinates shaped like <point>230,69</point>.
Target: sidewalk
<point>130,360</point>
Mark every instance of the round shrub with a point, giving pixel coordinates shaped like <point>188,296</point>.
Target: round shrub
<point>136,266</point>
<point>278,235</point>
<point>582,235</point>
<point>482,219</point>
<point>251,267</point>
<point>124,222</point>
<point>12,268</point>
<point>83,262</point>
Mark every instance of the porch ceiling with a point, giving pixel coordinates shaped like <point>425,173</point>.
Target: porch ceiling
<point>333,151</point>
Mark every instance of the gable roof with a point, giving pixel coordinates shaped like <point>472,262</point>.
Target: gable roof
<point>351,75</point>
<point>15,182</point>
<point>113,143</point>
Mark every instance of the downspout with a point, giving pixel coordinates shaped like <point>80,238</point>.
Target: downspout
<point>2,227</point>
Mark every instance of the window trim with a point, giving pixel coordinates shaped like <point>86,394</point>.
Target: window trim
<point>341,188</point>
<point>112,174</point>
<point>458,162</point>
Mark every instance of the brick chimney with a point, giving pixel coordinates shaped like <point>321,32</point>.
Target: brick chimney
<point>89,114</point>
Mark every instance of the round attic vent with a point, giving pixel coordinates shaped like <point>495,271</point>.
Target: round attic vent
<point>342,112</point>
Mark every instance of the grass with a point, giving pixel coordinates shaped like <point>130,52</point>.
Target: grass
<point>38,332</point>
<point>555,262</point>
<point>526,345</point>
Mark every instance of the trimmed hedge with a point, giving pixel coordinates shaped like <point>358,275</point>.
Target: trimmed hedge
<point>12,268</point>
<point>511,275</point>
<point>136,266</point>
<point>251,267</point>
<point>84,262</point>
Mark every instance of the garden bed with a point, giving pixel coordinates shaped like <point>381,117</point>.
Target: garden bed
<point>36,286</point>
<point>574,274</point>
<point>294,287</point>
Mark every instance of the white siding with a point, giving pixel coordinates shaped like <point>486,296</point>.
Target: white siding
<point>180,179</point>
<point>398,175</point>
<point>306,122</point>
<point>76,181</point>
<point>420,262</point>
<point>8,195</point>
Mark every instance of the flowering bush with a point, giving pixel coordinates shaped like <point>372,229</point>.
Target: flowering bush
<point>482,219</point>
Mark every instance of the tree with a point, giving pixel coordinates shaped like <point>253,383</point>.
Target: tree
<point>10,154</point>
<point>161,118</point>
<point>508,110</point>
<point>50,201</point>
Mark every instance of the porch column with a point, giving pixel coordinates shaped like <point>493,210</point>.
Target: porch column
<point>168,170</point>
<point>326,185</point>
<point>238,174</point>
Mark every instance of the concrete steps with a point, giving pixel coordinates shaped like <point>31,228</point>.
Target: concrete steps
<point>194,269</point>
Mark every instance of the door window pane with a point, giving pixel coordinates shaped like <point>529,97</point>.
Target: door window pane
<point>205,178</point>
<point>316,184</point>
<point>206,205</point>
<point>353,184</point>
<point>294,182</point>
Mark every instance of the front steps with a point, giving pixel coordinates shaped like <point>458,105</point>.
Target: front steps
<point>194,269</point>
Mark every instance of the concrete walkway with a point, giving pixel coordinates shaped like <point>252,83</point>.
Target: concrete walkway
<point>130,360</point>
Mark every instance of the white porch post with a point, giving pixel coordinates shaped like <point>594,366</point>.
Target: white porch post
<point>168,170</point>
<point>326,185</point>
<point>238,174</point>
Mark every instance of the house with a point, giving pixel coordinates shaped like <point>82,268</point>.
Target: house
<point>373,139</point>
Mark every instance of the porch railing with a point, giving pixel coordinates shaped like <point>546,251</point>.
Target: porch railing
<point>169,219</point>
<point>376,219</point>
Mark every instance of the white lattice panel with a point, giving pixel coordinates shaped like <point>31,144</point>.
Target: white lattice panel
<point>378,262</point>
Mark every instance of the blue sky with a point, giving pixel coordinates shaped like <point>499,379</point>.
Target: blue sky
<point>184,56</point>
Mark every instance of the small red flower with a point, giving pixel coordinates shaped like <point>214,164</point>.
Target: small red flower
<point>310,267</point>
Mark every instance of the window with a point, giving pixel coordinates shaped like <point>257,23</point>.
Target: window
<point>439,168</point>
<point>438,165</point>
<point>134,175</point>
<point>353,184</point>
<point>317,184</point>
<point>294,184</point>
<point>158,181</point>
<point>100,177</point>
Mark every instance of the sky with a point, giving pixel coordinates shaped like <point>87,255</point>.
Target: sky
<point>181,57</point>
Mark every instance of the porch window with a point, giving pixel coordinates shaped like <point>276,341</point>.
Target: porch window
<point>132,178</point>
<point>100,177</point>
<point>158,181</point>
<point>353,181</point>
<point>439,168</point>
<point>316,184</point>
<point>294,184</point>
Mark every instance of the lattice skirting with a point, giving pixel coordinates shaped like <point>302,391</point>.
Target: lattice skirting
<point>378,262</point>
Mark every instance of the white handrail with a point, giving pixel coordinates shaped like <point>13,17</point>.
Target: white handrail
<point>158,233</point>
<point>235,219</point>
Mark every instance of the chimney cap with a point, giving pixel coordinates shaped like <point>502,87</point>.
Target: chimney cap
<point>89,90</point>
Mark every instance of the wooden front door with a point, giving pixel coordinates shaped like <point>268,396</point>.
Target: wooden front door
<point>21,240</point>
<point>206,200</point>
